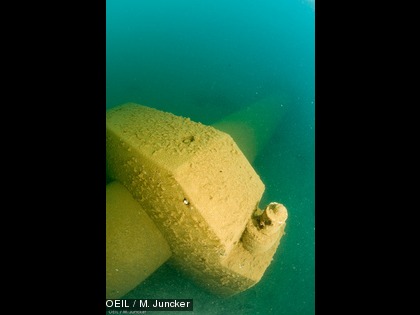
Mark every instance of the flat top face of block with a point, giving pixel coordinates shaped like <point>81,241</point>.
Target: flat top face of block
<point>168,139</point>
<point>216,178</point>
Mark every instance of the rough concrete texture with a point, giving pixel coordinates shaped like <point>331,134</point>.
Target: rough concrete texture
<point>134,246</point>
<point>198,188</point>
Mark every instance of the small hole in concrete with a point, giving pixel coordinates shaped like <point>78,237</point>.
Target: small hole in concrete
<point>188,140</point>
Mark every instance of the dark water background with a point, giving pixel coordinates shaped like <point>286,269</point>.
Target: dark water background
<point>204,60</point>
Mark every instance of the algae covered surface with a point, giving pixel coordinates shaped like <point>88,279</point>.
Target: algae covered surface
<point>207,60</point>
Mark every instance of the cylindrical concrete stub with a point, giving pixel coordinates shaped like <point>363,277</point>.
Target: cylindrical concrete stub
<point>264,229</point>
<point>134,246</point>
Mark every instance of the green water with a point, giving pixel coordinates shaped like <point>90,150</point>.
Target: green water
<point>207,59</point>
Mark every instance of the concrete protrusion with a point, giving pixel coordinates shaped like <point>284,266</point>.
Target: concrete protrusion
<point>265,228</point>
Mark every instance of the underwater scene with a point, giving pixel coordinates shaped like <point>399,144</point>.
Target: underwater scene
<point>209,60</point>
